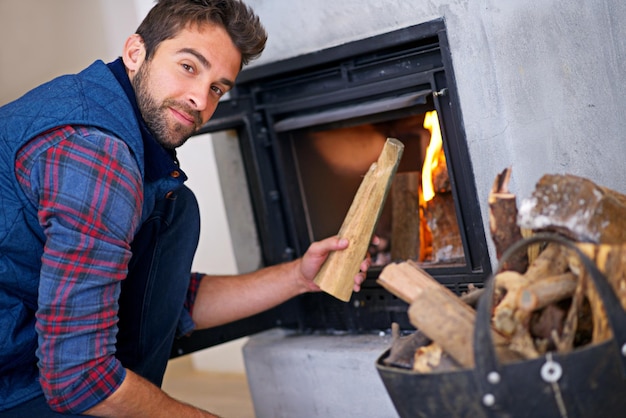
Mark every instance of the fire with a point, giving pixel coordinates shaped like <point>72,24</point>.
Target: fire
<point>433,154</point>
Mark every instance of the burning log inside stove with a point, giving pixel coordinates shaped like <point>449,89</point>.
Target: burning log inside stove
<point>541,304</point>
<point>439,210</point>
<point>405,226</point>
<point>423,225</point>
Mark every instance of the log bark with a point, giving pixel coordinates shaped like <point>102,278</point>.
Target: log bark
<point>577,208</point>
<point>503,222</point>
<point>403,347</point>
<point>336,277</point>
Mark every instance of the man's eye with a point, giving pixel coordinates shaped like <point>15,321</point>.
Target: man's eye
<point>218,90</point>
<point>187,67</point>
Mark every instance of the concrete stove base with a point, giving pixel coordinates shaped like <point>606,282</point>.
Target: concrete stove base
<point>292,375</point>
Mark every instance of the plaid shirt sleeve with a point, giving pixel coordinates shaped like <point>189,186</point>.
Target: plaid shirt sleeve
<point>87,190</point>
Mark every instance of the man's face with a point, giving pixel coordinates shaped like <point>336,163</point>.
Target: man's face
<point>179,88</point>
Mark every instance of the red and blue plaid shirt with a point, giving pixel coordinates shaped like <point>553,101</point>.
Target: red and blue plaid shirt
<point>88,191</point>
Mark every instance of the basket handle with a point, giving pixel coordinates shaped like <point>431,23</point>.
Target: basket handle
<point>485,358</point>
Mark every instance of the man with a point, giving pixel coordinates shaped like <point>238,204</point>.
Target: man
<point>97,231</point>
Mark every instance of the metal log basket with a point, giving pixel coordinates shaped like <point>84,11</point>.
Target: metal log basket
<point>587,382</point>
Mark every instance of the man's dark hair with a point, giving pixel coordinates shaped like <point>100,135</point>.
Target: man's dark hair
<point>168,17</point>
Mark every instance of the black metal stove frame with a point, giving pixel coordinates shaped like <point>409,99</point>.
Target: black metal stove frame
<point>396,74</point>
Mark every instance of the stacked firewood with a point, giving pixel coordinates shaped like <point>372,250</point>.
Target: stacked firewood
<point>543,301</point>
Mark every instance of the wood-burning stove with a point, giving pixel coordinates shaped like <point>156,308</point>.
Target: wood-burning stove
<point>308,129</point>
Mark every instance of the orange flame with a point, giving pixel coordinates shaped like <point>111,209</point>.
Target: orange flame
<point>431,122</point>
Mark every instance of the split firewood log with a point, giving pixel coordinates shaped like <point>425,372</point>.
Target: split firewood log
<point>473,295</point>
<point>549,290</point>
<point>336,277</point>
<point>611,260</point>
<point>435,310</point>
<point>403,347</point>
<point>433,359</point>
<point>576,208</point>
<point>503,222</point>
<point>513,320</point>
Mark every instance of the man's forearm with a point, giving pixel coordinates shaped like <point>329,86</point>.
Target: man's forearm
<point>137,398</point>
<point>223,299</point>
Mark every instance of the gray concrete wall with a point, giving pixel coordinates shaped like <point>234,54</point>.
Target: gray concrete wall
<point>541,82</point>
<point>314,376</point>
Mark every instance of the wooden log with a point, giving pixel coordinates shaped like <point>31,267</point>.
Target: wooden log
<point>407,281</point>
<point>405,219</point>
<point>472,296</point>
<point>546,325</point>
<point>435,310</point>
<point>503,222</point>
<point>534,249</point>
<point>552,261</point>
<point>440,214</point>
<point>508,318</point>
<point>565,342</point>
<point>445,321</point>
<point>432,359</point>
<point>336,277</point>
<point>504,313</point>
<point>399,280</point>
<point>577,208</point>
<point>546,291</point>
<point>403,347</point>
<point>611,260</point>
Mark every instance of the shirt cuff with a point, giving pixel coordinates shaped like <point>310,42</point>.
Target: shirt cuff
<point>185,323</point>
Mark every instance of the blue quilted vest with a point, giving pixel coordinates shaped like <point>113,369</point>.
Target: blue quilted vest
<point>95,98</point>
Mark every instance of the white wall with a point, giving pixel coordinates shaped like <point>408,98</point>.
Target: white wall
<point>215,252</point>
<point>44,39</point>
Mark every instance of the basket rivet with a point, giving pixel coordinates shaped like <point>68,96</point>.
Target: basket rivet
<point>551,371</point>
<point>493,378</point>
<point>489,399</point>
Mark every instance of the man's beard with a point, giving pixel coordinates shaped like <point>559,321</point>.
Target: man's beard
<point>156,115</point>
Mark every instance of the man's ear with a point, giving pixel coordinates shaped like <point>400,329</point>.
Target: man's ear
<point>134,54</point>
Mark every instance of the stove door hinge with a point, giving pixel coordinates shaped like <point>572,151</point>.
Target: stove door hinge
<point>263,137</point>
<point>441,93</point>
